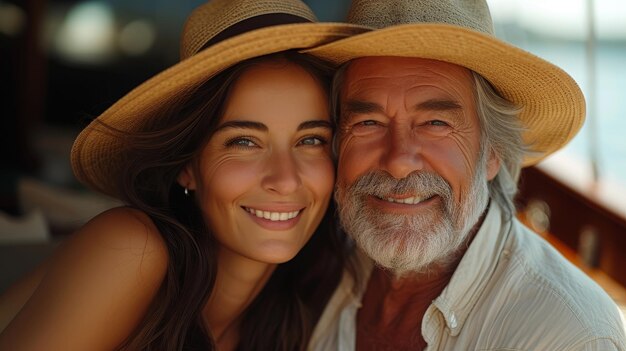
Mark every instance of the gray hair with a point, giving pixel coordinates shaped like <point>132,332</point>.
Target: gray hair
<point>501,131</point>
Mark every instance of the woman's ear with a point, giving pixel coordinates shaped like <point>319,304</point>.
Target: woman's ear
<point>493,165</point>
<point>186,178</point>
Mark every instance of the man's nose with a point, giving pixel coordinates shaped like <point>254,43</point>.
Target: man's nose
<point>404,152</point>
<point>281,174</point>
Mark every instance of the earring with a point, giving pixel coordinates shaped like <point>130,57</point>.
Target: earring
<point>186,191</point>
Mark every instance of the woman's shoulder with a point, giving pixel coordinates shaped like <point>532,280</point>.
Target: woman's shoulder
<point>121,235</point>
<point>127,219</point>
<point>127,228</point>
<point>124,233</point>
<point>97,287</point>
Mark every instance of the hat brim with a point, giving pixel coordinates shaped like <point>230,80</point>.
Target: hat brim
<point>553,104</point>
<point>96,153</point>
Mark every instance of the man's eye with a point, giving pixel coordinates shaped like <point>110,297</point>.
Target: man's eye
<point>367,123</point>
<point>364,127</point>
<point>438,123</point>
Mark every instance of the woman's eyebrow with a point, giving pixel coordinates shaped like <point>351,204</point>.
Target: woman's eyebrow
<point>242,125</point>
<point>318,123</point>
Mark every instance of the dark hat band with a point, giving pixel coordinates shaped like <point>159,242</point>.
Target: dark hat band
<point>252,23</point>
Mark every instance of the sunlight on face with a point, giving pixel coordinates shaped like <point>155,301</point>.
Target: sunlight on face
<point>266,176</point>
<point>412,178</point>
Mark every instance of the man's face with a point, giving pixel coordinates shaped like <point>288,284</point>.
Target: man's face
<point>412,176</point>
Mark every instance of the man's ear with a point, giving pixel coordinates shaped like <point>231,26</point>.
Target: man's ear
<point>186,178</point>
<point>493,165</point>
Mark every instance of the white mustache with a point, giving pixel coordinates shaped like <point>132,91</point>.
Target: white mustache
<point>383,185</point>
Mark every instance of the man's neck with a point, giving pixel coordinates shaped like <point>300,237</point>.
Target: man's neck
<point>397,296</point>
<point>393,307</point>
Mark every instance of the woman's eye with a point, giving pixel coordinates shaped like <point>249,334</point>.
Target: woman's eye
<point>240,142</point>
<point>313,141</point>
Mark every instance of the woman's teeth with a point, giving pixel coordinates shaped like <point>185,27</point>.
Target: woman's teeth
<point>273,216</point>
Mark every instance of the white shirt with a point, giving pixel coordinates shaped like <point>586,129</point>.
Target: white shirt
<point>511,291</point>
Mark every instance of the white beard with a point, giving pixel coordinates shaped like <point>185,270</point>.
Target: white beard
<point>411,243</point>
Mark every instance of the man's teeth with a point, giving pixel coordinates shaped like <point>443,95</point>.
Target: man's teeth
<point>273,216</point>
<point>407,200</point>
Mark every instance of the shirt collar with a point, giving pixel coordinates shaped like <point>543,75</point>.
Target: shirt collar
<point>473,272</point>
<point>468,281</point>
<point>364,266</point>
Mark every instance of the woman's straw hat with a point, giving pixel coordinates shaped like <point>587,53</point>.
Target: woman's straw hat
<point>217,35</point>
<point>461,32</point>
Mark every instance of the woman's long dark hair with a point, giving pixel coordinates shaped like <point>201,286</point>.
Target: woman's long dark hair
<point>284,313</point>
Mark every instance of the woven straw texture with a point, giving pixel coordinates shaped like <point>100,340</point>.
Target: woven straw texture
<point>451,31</point>
<point>203,24</point>
<point>463,13</point>
<point>96,154</point>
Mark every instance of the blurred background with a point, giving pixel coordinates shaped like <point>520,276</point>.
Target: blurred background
<point>63,62</point>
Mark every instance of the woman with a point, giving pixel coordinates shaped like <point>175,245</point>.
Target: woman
<point>224,161</point>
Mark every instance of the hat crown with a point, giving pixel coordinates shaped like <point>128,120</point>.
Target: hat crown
<point>472,14</point>
<point>210,19</point>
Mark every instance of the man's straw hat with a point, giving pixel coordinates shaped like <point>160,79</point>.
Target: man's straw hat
<point>461,32</point>
<point>217,35</point>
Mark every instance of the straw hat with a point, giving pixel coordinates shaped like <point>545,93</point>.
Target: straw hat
<point>461,32</point>
<point>216,36</point>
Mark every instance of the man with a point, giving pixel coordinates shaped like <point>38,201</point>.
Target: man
<point>435,120</point>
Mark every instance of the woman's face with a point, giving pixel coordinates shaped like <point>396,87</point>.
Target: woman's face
<point>264,179</point>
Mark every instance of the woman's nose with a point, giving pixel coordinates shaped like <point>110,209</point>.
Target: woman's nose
<point>281,173</point>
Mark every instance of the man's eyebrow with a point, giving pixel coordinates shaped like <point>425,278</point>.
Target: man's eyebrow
<point>317,123</point>
<point>437,105</point>
<point>242,125</point>
<point>361,107</point>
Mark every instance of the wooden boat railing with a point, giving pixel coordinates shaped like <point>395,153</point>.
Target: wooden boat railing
<point>590,234</point>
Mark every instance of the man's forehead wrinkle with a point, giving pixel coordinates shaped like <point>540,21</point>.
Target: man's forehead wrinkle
<point>393,68</point>
<point>389,88</point>
<point>362,85</point>
<point>362,95</point>
<point>428,91</point>
<point>404,83</point>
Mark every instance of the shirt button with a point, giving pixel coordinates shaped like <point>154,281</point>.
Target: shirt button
<point>453,322</point>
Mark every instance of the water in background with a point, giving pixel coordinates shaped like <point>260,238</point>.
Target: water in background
<point>515,21</point>
<point>610,98</point>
